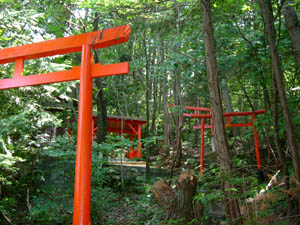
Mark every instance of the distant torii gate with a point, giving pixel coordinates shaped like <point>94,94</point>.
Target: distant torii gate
<point>83,43</point>
<point>228,123</point>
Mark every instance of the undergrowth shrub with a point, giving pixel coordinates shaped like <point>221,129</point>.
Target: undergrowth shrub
<point>52,202</point>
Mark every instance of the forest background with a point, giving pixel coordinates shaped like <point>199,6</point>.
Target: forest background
<point>257,44</point>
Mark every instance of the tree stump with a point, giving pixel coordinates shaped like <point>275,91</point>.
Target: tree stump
<point>178,202</point>
<point>164,196</point>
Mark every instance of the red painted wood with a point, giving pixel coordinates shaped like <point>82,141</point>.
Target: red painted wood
<point>202,146</point>
<point>131,121</point>
<point>98,39</point>
<point>119,131</point>
<point>196,115</point>
<point>244,113</point>
<point>86,72</point>
<point>135,129</point>
<point>228,123</point>
<point>139,153</point>
<point>206,126</point>
<point>228,120</point>
<point>239,125</point>
<point>193,108</point>
<point>19,66</point>
<point>197,108</point>
<point>257,153</point>
<point>98,70</point>
<point>82,190</point>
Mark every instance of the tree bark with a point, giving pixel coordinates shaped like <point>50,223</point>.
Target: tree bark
<point>279,151</point>
<point>101,102</point>
<point>178,202</point>
<point>267,15</point>
<point>178,118</point>
<point>227,98</point>
<point>223,157</point>
<point>155,92</point>
<point>292,25</point>
<point>101,113</point>
<point>155,105</point>
<point>148,96</point>
<point>275,120</point>
<point>166,112</point>
<point>148,88</point>
<point>166,117</point>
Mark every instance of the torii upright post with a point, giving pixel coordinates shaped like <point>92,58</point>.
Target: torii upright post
<point>82,189</point>
<point>86,72</point>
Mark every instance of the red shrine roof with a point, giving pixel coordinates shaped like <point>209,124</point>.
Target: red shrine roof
<point>127,119</point>
<point>115,123</point>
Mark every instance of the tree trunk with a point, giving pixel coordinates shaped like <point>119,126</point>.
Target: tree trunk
<point>178,202</point>
<point>148,88</point>
<point>292,25</point>
<point>275,120</point>
<point>101,103</point>
<point>226,95</point>
<point>154,93</point>
<point>231,204</point>
<point>178,145</point>
<point>101,113</point>
<point>166,117</point>
<point>267,104</point>
<point>166,113</point>
<point>267,14</point>
<point>148,96</point>
<point>177,118</point>
<point>280,153</point>
<point>155,105</point>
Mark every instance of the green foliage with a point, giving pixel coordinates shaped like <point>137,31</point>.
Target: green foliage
<point>53,201</point>
<point>166,50</point>
<point>63,148</point>
<point>52,206</point>
<point>8,168</point>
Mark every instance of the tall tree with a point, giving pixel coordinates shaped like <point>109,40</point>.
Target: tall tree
<point>293,27</point>
<point>268,18</point>
<point>164,90</point>
<point>222,148</point>
<point>101,102</point>
<point>228,102</point>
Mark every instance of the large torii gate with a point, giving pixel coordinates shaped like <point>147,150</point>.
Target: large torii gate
<point>83,43</point>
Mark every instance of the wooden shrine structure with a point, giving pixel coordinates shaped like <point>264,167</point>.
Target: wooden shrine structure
<point>124,125</point>
<point>206,113</point>
<point>84,43</point>
<point>121,125</point>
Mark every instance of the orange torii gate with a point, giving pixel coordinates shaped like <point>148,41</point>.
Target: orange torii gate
<point>204,125</point>
<point>83,43</point>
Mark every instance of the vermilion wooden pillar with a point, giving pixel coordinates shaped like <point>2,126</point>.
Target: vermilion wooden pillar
<point>202,146</point>
<point>82,189</point>
<point>256,144</point>
<point>139,154</point>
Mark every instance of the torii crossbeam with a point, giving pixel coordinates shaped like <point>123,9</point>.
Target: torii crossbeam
<point>83,43</point>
